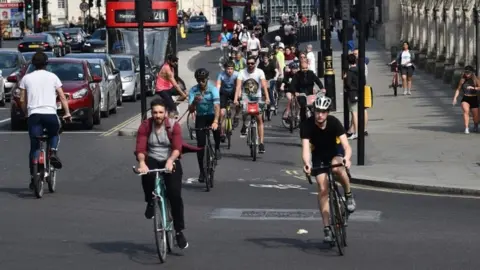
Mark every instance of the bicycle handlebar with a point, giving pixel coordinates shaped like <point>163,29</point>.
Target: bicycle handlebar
<point>150,171</point>
<point>327,166</point>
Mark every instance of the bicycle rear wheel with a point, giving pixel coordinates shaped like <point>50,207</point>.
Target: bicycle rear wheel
<point>228,131</point>
<point>52,180</point>
<point>159,231</point>
<point>38,173</point>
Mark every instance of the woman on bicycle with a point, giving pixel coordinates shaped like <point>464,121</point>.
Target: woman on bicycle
<point>290,71</point>
<point>469,84</point>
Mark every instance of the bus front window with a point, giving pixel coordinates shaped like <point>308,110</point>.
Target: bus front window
<point>234,13</point>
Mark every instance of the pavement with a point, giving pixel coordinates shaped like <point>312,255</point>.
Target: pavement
<point>252,218</point>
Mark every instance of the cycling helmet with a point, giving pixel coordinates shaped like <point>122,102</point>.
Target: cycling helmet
<point>229,64</point>
<point>201,73</point>
<point>278,39</point>
<point>322,102</point>
<point>293,65</point>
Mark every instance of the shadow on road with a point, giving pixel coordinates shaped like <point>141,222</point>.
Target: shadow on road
<point>246,157</point>
<point>23,193</point>
<point>309,246</point>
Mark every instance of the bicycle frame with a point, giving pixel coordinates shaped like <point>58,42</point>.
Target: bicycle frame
<point>159,194</point>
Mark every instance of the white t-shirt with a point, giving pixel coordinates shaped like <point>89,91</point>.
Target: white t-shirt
<point>406,57</point>
<point>258,75</point>
<point>311,62</point>
<point>253,44</point>
<point>41,87</point>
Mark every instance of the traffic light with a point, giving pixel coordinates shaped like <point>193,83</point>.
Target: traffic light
<point>99,3</point>
<point>90,3</point>
<point>36,4</point>
<point>28,4</point>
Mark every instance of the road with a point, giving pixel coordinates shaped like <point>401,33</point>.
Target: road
<point>95,220</point>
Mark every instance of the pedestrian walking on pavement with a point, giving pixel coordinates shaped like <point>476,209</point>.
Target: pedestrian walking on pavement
<point>351,90</point>
<point>469,84</point>
<point>405,60</point>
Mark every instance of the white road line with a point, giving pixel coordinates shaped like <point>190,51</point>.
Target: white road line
<point>65,132</point>
<point>5,120</point>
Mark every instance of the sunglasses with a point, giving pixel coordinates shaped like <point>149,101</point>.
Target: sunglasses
<point>320,111</point>
<point>202,80</point>
<point>251,63</point>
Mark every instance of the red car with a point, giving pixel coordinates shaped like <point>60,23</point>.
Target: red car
<point>81,90</point>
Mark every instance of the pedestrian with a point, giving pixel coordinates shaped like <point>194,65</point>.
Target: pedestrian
<point>405,60</point>
<point>311,59</point>
<point>351,90</point>
<point>367,60</point>
<point>469,84</point>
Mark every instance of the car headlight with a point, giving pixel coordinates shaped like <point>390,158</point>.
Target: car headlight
<point>127,79</point>
<point>87,44</point>
<point>80,93</point>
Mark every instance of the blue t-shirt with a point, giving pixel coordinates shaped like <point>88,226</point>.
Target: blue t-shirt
<point>226,37</point>
<point>206,106</point>
<point>228,82</point>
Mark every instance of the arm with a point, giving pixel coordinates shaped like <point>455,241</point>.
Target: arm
<point>171,78</point>
<point>306,153</point>
<point>457,91</point>
<point>317,80</point>
<point>238,88</point>
<point>218,83</point>
<point>216,104</point>
<point>191,101</point>
<point>346,146</point>
<point>63,100</point>
<point>141,142</point>
<point>293,84</point>
<point>23,99</point>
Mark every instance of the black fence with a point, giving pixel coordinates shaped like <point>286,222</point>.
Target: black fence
<point>302,34</point>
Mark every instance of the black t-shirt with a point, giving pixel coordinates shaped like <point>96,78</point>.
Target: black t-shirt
<point>322,141</point>
<point>269,70</point>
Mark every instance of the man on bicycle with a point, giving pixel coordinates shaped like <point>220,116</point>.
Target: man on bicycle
<point>38,99</point>
<point>271,74</point>
<point>204,98</point>
<point>226,83</point>
<point>319,134</point>
<point>239,61</point>
<point>303,83</point>
<point>252,80</point>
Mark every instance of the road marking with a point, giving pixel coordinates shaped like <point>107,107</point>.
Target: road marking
<point>65,132</point>
<point>4,120</point>
<point>288,214</point>
<point>121,125</point>
<point>279,186</point>
<point>296,174</point>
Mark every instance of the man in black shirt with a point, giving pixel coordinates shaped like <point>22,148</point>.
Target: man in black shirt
<point>271,74</point>
<point>320,135</point>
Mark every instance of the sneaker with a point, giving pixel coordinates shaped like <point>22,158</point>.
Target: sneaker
<point>243,131</point>
<point>351,205</point>
<point>31,186</point>
<point>181,240</point>
<point>223,138</point>
<point>328,235</point>
<point>405,92</point>
<point>467,131</point>
<point>149,211</point>
<point>55,160</point>
<point>261,148</point>
<point>409,92</point>
<point>235,122</point>
<point>353,137</point>
<point>218,154</point>
<point>475,128</point>
<point>366,133</point>
<point>201,178</point>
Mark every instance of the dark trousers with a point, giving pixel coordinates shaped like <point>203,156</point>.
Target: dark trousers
<point>173,185</point>
<point>202,121</point>
<point>167,95</point>
<point>36,123</point>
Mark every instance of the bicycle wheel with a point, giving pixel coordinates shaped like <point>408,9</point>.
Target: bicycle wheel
<point>253,143</point>
<point>285,122</point>
<point>191,126</point>
<point>212,169</point>
<point>206,166</point>
<point>228,131</point>
<point>338,224</point>
<point>291,118</point>
<point>169,229</point>
<point>38,173</point>
<point>52,180</point>
<point>159,231</point>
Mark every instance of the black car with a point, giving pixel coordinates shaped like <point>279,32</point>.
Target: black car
<point>62,41</point>
<point>97,42</point>
<point>42,41</point>
<point>78,37</point>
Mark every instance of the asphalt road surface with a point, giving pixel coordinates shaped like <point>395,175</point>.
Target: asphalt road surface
<point>249,220</point>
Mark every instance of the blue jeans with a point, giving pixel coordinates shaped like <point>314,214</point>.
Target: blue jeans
<point>351,45</point>
<point>36,124</point>
<point>270,91</point>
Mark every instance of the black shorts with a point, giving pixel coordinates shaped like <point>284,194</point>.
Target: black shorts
<point>407,71</point>
<point>471,100</point>
<point>316,162</point>
<point>225,97</point>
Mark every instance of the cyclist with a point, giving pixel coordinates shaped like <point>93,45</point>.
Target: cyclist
<point>303,83</point>
<point>239,61</point>
<point>290,71</point>
<point>204,98</point>
<point>252,80</point>
<point>253,45</point>
<point>271,74</point>
<point>38,99</point>
<point>225,39</point>
<point>159,145</point>
<point>166,84</point>
<point>319,134</point>
<point>226,83</point>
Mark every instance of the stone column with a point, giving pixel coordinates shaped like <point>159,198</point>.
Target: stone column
<point>431,34</point>
<point>467,22</point>
<point>459,37</point>
<point>449,33</point>
<point>411,21</point>
<point>477,36</point>
<point>405,22</point>
<point>422,27</point>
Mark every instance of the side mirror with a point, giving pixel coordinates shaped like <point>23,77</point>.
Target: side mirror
<point>96,79</point>
<point>12,78</point>
<point>116,71</point>
<point>111,77</point>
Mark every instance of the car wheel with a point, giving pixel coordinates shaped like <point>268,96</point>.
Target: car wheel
<point>2,101</point>
<point>64,51</point>
<point>119,98</point>
<point>89,122</point>
<point>97,118</point>
<point>106,113</point>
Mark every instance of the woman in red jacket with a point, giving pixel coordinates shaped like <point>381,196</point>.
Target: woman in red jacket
<point>159,145</point>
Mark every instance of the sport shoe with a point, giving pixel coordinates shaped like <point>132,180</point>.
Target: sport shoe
<point>405,92</point>
<point>409,92</point>
<point>328,236</point>
<point>353,136</point>
<point>181,240</point>
<point>243,131</point>
<point>467,131</point>
<point>261,148</point>
<point>55,160</point>
<point>149,211</point>
<point>351,205</point>
<point>201,178</point>
<point>218,154</point>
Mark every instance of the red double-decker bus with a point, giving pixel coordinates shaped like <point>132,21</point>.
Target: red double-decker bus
<point>234,11</point>
<point>160,32</point>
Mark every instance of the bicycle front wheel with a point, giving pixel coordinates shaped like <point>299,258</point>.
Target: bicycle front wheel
<point>191,126</point>
<point>338,224</point>
<point>228,131</point>
<point>253,143</point>
<point>207,166</point>
<point>169,230</point>
<point>159,231</point>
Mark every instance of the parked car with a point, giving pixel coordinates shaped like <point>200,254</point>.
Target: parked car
<point>3,97</point>
<point>130,74</point>
<point>197,23</point>
<point>11,62</point>
<point>97,42</point>
<point>28,55</point>
<point>151,72</point>
<point>81,89</point>
<point>41,41</point>
<point>108,88</point>
<point>110,65</point>
<point>78,37</point>
<point>62,42</point>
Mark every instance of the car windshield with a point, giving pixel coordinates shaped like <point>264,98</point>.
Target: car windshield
<point>65,71</point>
<point>72,31</point>
<point>99,34</point>
<point>197,19</point>
<point>34,38</point>
<point>96,69</point>
<point>28,56</point>
<point>123,63</point>
<point>8,60</point>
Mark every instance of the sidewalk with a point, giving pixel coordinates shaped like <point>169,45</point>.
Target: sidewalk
<point>415,142</point>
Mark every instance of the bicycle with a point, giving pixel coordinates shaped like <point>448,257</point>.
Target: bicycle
<point>253,109</point>
<point>228,123</point>
<point>162,218</point>
<point>191,125</point>
<point>42,170</point>
<point>226,55</point>
<point>310,99</point>
<point>292,122</point>
<point>209,159</point>
<point>395,79</point>
<point>273,98</point>
<point>338,207</point>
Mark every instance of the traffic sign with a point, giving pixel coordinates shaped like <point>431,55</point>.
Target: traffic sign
<point>84,6</point>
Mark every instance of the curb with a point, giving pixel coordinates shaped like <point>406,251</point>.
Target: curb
<point>385,183</point>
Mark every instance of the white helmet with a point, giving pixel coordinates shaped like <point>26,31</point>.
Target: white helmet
<point>322,102</point>
<point>278,39</point>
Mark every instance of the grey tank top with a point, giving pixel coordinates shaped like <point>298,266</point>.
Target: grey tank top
<point>159,144</point>
<point>468,82</point>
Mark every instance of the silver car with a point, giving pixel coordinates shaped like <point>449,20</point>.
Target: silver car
<point>197,23</point>
<point>11,62</point>
<point>108,87</point>
<point>130,75</point>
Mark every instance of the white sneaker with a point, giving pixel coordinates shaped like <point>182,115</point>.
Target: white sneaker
<point>405,92</point>
<point>353,136</point>
<point>467,131</point>
<point>409,92</point>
